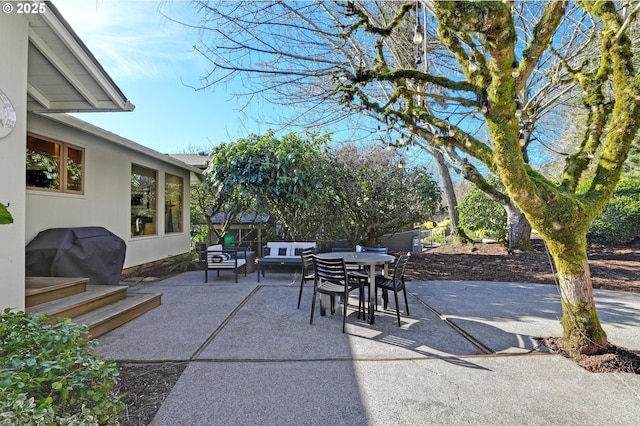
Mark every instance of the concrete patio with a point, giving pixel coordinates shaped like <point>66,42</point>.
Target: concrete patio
<point>467,354</point>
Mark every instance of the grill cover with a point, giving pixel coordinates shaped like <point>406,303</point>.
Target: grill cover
<point>89,252</point>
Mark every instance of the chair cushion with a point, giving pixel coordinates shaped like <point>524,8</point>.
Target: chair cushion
<point>387,283</point>
<point>226,264</point>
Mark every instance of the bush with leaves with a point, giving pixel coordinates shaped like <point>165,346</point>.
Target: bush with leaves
<point>373,193</point>
<point>283,173</point>
<point>5,216</point>
<point>619,223</point>
<point>50,376</point>
<point>440,232</point>
<point>183,262</point>
<point>483,217</point>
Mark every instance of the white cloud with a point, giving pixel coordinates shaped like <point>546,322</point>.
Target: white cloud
<point>131,39</point>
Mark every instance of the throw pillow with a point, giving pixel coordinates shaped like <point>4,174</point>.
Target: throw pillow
<point>219,257</point>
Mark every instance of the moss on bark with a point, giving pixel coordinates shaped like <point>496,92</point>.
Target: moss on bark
<point>583,333</point>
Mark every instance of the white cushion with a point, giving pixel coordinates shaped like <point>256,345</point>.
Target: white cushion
<point>275,248</point>
<point>290,248</point>
<point>299,246</point>
<point>217,247</point>
<point>227,264</point>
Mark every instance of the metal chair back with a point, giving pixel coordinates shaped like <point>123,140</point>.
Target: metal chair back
<point>381,250</point>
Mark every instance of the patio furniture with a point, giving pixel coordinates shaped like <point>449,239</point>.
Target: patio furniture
<point>364,259</point>
<point>308,273</point>
<point>332,279</point>
<point>395,284</point>
<point>281,253</point>
<point>381,250</point>
<point>251,259</point>
<point>219,258</point>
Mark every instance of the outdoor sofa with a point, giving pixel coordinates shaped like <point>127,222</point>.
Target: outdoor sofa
<point>282,253</point>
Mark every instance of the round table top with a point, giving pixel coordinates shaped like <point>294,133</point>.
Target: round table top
<point>359,258</point>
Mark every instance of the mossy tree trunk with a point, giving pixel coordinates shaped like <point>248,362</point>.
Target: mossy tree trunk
<point>583,333</point>
<point>519,228</point>
<point>483,34</point>
<point>457,234</point>
<point>555,211</point>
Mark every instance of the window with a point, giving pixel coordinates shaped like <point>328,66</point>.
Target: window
<point>54,166</point>
<point>74,169</point>
<point>173,203</point>
<point>143,201</point>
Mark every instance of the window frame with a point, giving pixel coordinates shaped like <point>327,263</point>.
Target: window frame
<point>136,229</point>
<point>62,166</point>
<point>181,203</point>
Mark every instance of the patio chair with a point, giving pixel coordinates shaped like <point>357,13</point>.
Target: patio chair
<point>332,279</point>
<point>395,284</point>
<point>379,250</point>
<point>218,258</point>
<point>308,274</point>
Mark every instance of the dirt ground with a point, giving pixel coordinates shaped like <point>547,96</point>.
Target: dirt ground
<point>145,386</point>
<point>612,268</point>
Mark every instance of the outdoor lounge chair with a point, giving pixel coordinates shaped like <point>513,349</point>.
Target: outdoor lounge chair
<point>218,258</point>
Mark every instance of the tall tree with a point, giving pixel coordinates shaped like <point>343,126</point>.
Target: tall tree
<point>373,193</point>
<point>631,167</point>
<point>469,100</point>
<point>225,204</point>
<point>284,173</point>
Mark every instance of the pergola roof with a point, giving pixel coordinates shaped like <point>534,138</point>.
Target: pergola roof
<point>63,75</point>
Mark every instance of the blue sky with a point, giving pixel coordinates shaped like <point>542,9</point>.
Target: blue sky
<point>151,59</point>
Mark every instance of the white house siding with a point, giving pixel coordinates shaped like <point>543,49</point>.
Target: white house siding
<point>107,196</point>
<point>13,82</point>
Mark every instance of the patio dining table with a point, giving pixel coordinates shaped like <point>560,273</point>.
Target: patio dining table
<point>364,259</point>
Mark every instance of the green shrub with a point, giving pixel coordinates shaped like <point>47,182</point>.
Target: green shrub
<point>49,376</point>
<point>183,262</point>
<point>619,223</point>
<point>481,217</point>
<point>440,232</point>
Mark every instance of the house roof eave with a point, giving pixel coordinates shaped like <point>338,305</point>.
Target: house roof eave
<point>111,137</point>
<point>51,39</point>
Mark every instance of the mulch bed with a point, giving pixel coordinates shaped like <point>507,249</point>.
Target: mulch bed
<point>612,268</point>
<point>144,387</point>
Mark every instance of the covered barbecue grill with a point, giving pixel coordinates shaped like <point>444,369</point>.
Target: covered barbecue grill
<point>89,252</point>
